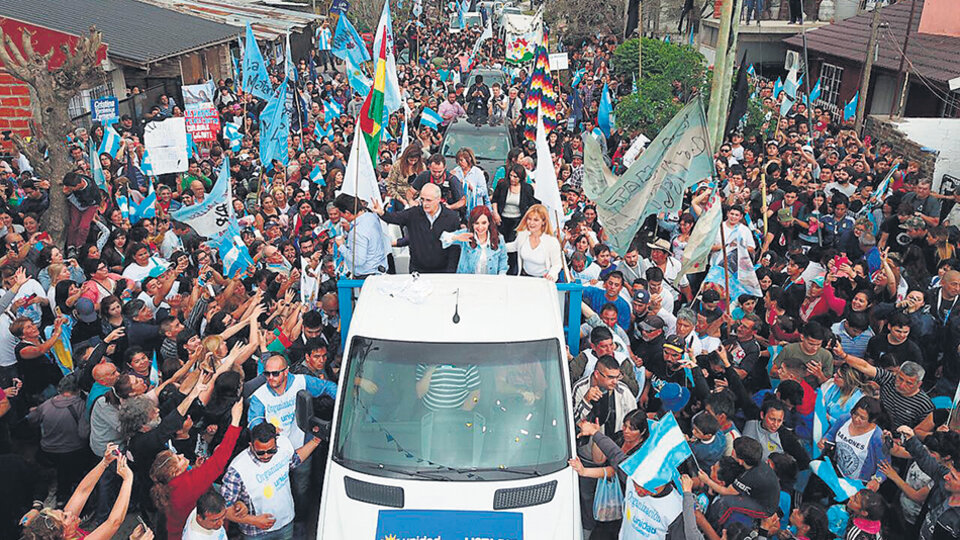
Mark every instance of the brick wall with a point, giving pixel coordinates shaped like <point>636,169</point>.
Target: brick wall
<point>881,129</point>
<point>14,107</point>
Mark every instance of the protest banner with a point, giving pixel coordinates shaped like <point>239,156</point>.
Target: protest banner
<point>339,6</point>
<point>559,61</point>
<point>166,141</point>
<point>105,110</point>
<point>202,121</point>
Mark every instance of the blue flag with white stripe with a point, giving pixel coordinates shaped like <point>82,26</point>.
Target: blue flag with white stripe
<point>359,82</point>
<point>123,204</point>
<point>255,79</point>
<point>655,463</point>
<point>96,169</point>
<point>232,134</point>
<point>777,87</point>
<point>430,118</point>
<point>210,217</point>
<point>331,110</point>
<point>751,71</point>
<point>146,165</point>
<point>821,422</point>
<point>316,176</point>
<point>233,252</point>
<point>850,109</point>
<point>147,207</point>
<point>111,143</point>
<point>815,93</point>
<point>192,150</point>
<point>325,132</point>
<point>843,488</point>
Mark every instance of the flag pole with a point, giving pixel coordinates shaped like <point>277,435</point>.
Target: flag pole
<point>763,202</point>
<point>563,260</point>
<point>726,269</point>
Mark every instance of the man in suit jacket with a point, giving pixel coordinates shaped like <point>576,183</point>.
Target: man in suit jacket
<point>425,224</point>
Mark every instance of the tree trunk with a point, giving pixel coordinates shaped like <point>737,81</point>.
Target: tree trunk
<point>50,94</point>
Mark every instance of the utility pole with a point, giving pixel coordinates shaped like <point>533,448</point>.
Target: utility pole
<point>868,67</point>
<point>639,41</point>
<point>903,79</point>
<point>715,112</point>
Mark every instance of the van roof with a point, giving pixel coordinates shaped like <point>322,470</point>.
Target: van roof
<point>492,309</point>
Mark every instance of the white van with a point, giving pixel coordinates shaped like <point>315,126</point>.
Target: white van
<point>453,414</point>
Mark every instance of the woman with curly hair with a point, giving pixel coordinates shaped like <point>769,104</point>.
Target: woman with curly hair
<point>177,487</point>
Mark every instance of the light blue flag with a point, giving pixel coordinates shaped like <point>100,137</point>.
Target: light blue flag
<point>232,133</point>
<point>123,204</point>
<point>815,93</point>
<point>347,43</point>
<point>578,75</point>
<point>678,158</point>
<point>255,79</point>
<point>777,87</point>
<point>743,275</point>
<point>843,488</point>
<point>111,142</point>
<point>821,422</point>
<point>655,463</point>
<point>233,252</point>
<point>786,104</point>
<point>275,128</point>
<point>850,109</point>
<point>331,110</point>
<point>790,87</point>
<point>210,217</point>
<point>883,190</point>
<point>146,164</point>
<point>147,207</point>
<point>430,118</point>
<point>604,113</point>
<point>322,133</point>
<point>359,82</point>
<point>634,88</point>
<point>289,68</point>
<point>751,71</point>
<point>96,169</point>
<point>316,176</point>
<point>192,150</point>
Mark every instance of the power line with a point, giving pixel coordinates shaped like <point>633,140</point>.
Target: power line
<point>944,98</point>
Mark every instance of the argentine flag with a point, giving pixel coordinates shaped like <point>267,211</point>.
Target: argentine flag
<point>430,118</point>
<point>233,252</point>
<point>655,463</point>
<point>146,165</point>
<point>147,207</point>
<point>316,176</point>
<point>843,488</point>
<point>850,109</point>
<point>331,110</point>
<point>322,133</point>
<point>821,423</point>
<point>232,134</point>
<point>111,143</point>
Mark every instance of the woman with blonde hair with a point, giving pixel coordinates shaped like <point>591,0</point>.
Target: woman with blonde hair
<point>177,487</point>
<point>538,251</point>
<point>408,166</point>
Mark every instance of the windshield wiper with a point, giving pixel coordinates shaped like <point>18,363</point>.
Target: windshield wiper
<point>410,472</point>
<point>523,472</point>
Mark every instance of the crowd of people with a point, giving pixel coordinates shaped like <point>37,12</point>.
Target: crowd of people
<point>144,378</point>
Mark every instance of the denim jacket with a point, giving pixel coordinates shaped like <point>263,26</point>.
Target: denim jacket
<point>496,259</point>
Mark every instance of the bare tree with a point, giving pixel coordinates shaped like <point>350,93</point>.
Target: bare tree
<point>51,90</point>
<point>577,19</point>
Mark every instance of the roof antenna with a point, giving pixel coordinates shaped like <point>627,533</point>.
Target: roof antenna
<point>456,307</point>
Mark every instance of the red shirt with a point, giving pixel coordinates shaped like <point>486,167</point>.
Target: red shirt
<point>189,486</point>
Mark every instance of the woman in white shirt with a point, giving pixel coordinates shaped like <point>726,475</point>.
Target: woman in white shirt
<point>538,251</point>
<point>472,178</point>
<point>139,266</point>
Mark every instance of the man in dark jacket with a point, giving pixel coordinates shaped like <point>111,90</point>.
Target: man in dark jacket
<point>425,224</point>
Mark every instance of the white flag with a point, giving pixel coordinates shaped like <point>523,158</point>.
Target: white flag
<point>546,189</point>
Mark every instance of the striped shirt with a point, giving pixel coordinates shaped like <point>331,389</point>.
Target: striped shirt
<point>449,385</point>
<point>903,411</point>
<point>324,39</point>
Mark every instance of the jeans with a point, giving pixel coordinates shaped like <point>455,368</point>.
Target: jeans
<point>754,6</point>
<point>108,487</point>
<point>70,467</point>
<point>286,533</point>
<point>80,224</point>
<point>306,500</point>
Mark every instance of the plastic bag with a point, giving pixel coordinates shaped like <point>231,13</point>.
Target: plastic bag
<point>608,499</point>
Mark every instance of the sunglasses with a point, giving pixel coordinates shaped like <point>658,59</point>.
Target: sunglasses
<point>267,452</point>
<point>274,373</point>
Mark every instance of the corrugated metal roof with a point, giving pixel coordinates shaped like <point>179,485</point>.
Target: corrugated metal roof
<point>134,32</point>
<point>934,57</point>
<point>268,22</point>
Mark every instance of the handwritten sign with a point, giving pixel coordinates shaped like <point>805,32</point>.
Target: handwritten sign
<point>202,121</point>
<point>166,142</point>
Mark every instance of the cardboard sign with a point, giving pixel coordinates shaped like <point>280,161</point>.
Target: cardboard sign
<point>202,121</point>
<point>559,61</point>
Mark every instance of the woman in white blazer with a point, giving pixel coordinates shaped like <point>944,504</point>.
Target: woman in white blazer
<point>538,251</point>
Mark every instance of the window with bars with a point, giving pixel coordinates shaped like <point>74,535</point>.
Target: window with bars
<point>951,107</point>
<point>830,78</point>
<point>80,103</point>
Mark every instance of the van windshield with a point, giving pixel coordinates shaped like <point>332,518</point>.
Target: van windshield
<point>453,411</point>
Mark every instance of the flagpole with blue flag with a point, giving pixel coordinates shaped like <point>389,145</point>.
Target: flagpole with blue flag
<point>604,110</point>
<point>255,79</point>
<point>850,109</point>
<point>275,128</point>
<point>348,44</point>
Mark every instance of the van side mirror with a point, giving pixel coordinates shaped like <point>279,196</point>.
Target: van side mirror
<point>314,415</point>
